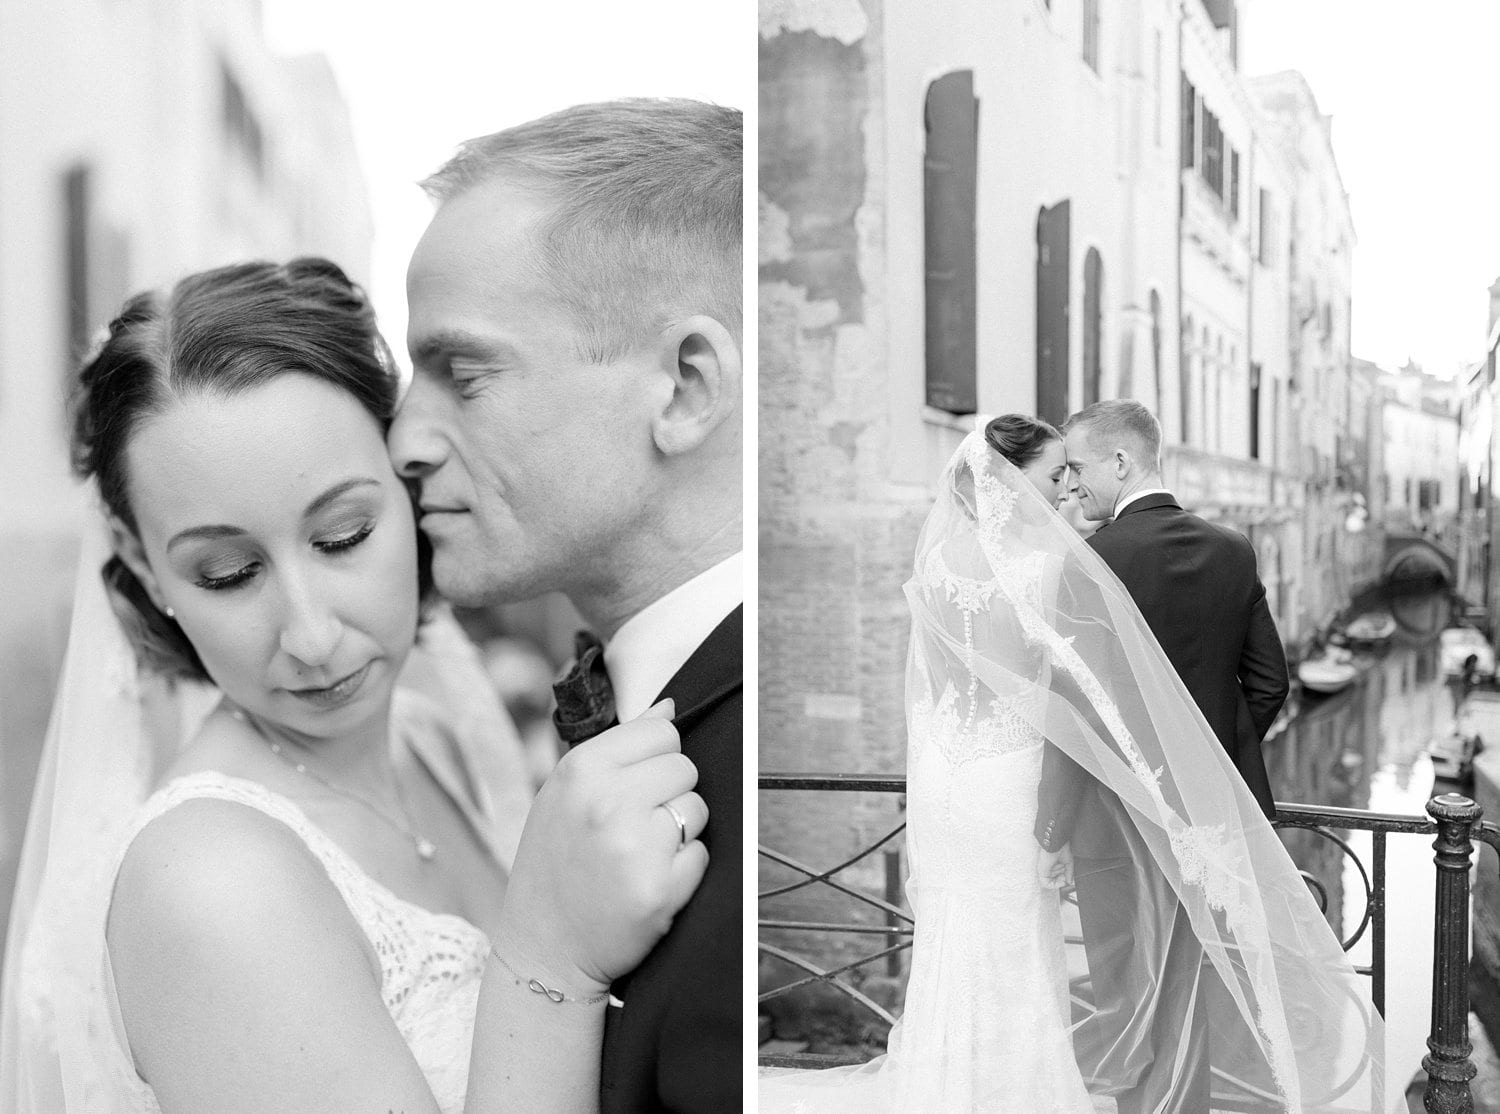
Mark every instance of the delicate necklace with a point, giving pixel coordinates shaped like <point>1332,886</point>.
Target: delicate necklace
<point>425,848</point>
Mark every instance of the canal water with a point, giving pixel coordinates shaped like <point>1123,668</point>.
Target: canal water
<point>1365,748</point>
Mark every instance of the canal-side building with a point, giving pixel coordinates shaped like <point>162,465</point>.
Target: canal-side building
<point>967,210</point>
<point>1419,482</point>
<point>138,142</point>
<point>964,210</point>
<point>1334,551</point>
<point>1477,520</point>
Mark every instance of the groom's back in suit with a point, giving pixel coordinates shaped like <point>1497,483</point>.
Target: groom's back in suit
<point>1197,586</point>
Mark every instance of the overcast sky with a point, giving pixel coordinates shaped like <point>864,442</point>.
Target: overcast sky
<point>422,77</point>
<point>1410,87</point>
<point>1416,130</point>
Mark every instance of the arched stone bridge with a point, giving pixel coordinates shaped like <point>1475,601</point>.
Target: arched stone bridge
<point>1411,557</point>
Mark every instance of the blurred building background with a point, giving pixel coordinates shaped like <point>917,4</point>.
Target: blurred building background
<point>140,142</point>
<point>1478,523</point>
<point>1029,205</point>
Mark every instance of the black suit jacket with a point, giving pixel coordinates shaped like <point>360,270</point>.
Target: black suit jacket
<point>1197,586</point>
<point>675,1044</point>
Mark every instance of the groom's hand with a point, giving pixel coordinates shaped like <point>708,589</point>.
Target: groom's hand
<point>602,867</point>
<point>1054,869</point>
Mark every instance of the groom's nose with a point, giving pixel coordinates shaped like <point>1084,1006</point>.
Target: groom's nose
<point>415,441</point>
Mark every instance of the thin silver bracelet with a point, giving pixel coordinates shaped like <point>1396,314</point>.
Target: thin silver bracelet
<point>552,994</point>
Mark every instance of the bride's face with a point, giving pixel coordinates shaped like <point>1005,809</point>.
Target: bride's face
<point>276,529</point>
<point>1048,471</point>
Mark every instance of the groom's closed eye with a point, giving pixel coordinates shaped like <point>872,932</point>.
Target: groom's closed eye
<point>468,374</point>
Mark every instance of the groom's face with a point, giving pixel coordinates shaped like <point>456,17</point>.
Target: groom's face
<point>533,463</point>
<point>1093,476</point>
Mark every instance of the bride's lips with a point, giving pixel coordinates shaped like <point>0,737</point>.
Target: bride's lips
<point>336,694</point>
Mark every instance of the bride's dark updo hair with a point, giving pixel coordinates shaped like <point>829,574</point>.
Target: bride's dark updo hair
<point>1019,438</point>
<point>218,332</point>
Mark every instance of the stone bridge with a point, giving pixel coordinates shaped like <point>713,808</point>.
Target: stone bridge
<point>1412,558</point>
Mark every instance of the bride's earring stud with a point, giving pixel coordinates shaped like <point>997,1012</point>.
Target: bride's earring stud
<point>171,614</point>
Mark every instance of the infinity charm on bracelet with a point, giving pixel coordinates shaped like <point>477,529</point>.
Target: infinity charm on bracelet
<point>552,994</point>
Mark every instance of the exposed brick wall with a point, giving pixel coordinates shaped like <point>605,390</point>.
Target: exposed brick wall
<point>836,537</point>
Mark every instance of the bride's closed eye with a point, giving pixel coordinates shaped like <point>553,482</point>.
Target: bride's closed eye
<point>339,542</point>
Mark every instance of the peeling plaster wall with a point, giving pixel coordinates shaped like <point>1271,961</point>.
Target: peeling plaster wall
<point>835,546</point>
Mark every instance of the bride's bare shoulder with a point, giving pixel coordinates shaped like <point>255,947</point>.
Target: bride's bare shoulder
<point>234,957</point>
<point>207,869</point>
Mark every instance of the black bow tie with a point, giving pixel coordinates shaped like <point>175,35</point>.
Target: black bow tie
<point>585,698</point>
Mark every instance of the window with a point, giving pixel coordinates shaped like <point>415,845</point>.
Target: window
<point>1212,167</point>
<point>1091,34</point>
<point>1093,320</point>
<point>1234,183</point>
<point>950,168</point>
<point>77,198</point>
<point>1189,116</point>
<point>1254,411</point>
<point>1052,295</point>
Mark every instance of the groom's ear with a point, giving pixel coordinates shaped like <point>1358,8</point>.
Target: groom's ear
<point>128,548</point>
<point>702,360</point>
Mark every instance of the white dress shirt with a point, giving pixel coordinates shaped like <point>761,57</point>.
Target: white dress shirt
<point>656,642</point>
<point>1133,496</point>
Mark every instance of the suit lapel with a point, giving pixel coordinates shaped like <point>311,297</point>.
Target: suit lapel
<point>714,672</point>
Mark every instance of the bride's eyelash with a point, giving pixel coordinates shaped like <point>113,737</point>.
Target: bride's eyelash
<point>220,583</point>
<point>349,541</point>
<point>239,576</point>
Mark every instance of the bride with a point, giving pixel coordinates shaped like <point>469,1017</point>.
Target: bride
<point>1023,639</point>
<point>311,905</point>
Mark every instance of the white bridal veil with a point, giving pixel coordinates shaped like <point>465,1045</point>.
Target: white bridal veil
<point>1019,630</point>
<point>114,730</point>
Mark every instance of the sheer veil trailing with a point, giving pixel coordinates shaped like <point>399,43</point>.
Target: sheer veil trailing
<point>114,730</point>
<point>1023,639</point>
<point>1063,646</point>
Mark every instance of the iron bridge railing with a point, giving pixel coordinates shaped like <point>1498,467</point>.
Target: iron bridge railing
<point>1454,821</point>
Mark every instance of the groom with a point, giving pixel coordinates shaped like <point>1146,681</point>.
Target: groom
<point>1198,589</point>
<point>574,425</point>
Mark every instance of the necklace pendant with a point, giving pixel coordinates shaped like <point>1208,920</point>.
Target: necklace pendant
<point>426,849</point>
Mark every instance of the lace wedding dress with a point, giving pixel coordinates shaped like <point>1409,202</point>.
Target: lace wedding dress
<point>1024,643</point>
<point>985,1026</point>
<point>431,964</point>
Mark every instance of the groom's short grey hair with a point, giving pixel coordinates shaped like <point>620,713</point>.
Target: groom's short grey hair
<point>647,211</point>
<point>1121,421</point>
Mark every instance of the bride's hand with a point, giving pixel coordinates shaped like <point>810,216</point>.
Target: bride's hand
<point>1054,869</point>
<point>602,869</point>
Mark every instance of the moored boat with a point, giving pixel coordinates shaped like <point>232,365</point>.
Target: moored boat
<point>1332,671</point>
